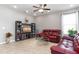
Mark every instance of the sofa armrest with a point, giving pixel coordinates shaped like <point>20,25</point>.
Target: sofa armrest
<point>76,49</point>
<point>57,50</point>
<point>76,46</point>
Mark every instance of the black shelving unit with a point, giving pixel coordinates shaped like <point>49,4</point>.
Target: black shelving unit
<point>20,35</point>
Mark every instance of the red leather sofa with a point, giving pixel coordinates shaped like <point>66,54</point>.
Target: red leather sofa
<point>67,46</point>
<point>52,35</point>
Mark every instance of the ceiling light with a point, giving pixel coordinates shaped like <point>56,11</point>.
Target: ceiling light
<point>40,10</point>
<point>48,11</point>
<point>71,5</point>
<point>3,28</point>
<point>15,6</point>
<point>27,11</point>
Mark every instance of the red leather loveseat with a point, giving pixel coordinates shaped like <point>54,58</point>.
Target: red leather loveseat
<point>52,35</point>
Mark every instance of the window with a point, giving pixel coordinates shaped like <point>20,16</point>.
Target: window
<point>69,21</point>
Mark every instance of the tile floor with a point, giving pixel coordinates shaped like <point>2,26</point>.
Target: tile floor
<point>29,46</point>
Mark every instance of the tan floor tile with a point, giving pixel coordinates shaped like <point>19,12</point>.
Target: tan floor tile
<point>28,46</point>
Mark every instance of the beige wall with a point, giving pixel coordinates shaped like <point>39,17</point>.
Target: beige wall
<point>48,22</point>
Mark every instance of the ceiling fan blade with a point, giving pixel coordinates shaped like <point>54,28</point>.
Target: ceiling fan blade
<point>45,5</point>
<point>46,9</point>
<point>35,10</point>
<point>35,7</point>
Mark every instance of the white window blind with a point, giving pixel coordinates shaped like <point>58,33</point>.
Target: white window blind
<point>69,21</point>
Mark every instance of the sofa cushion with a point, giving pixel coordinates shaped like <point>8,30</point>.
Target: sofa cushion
<point>52,36</point>
<point>55,34</point>
<point>67,44</point>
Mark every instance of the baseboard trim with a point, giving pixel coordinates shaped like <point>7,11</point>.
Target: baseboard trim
<point>12,41</point>
<point>5,42</point>
<point>2,42</point>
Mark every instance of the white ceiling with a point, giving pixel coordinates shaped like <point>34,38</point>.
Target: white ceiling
<point>54,8</point>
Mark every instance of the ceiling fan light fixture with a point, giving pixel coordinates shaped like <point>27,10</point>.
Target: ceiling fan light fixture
<point>14,6</point>
<point>27,11</point>
<point>48,11</point>
<point>71,5</point>
<point>40,10</point>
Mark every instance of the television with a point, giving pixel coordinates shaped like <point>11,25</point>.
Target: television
<point>26,28</point>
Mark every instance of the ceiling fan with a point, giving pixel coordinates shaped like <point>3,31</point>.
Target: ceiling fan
<point>41,8</point>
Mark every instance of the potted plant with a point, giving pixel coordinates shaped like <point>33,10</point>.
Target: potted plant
<point>8,35</point>
<point>72,32</point>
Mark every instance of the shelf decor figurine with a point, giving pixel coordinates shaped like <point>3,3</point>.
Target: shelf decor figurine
<point>8,35</point>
